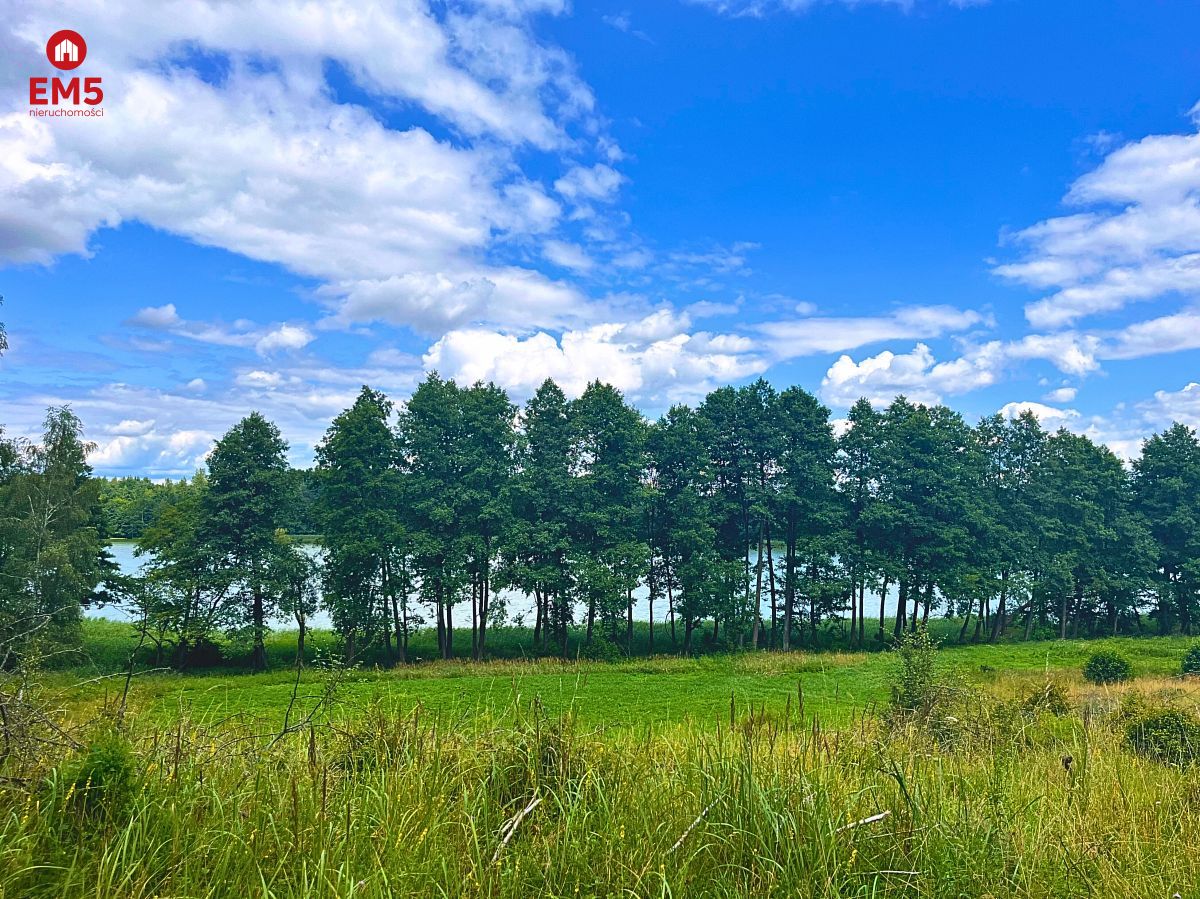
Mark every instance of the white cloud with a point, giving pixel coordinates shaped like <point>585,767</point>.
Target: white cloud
<point>567,255</point>
<point>917,375</point>
<point>1061,395</point>
<point>1139,242</point>
<point>264,161</point>
<point>600,182</point>
<point>788,339</point>
<point>760,8</point>
<point>284,337</point>
<point>1166,334</point>
<point>264,340</point>
<point>157,317</point>
<point>1049,416</point>
<point>654,360</point>
<point>260,379</point>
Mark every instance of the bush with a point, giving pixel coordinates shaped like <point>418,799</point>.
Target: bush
<point>915,690</point>
<point>102,781</point>
<point>1170,736</point>
<point>601,649</point>
<point>1107,667</point>
<point>1191,660</point>
<point>1048,697</point>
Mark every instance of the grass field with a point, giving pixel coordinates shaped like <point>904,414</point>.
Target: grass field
<point>637,692</point>
<point>736,775</point>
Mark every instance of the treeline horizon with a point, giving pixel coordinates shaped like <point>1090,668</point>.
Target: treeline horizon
<point>746,515</point>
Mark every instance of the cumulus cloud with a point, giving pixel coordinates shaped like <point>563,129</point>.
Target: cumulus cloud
<point>1050,416</point>
<point>1061,395</point>
<point>1139,239</point>
<point>654,360</point>
<point>917,375</point>
<point>263,160</point>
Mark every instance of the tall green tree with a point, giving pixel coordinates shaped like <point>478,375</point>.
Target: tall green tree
<point>685,558</point>
<point>1097,548</point>
<point>246,495</point>
<point>1167,494</point>
<point>431,430</point>
<point>488,451</point>
<point>539,538</point>
<point>729,439</point>
<point>360,505</point>
<point>607,454</point>
<point>185,594</point>
<point>811,511</point>
<point>52,552</point>
<point>860,451</point>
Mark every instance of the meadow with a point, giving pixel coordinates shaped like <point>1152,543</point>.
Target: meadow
<point>730,775</point>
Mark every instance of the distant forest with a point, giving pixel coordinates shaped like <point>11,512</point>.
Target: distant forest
<point>748,521</point>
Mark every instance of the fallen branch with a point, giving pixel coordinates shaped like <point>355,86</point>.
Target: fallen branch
<point>700,817</point>
<point>510,827</point>
<point>870,820</point>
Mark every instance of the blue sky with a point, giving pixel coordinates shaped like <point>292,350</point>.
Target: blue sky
<point>988,204</point>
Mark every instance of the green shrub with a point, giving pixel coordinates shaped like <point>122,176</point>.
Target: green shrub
<point>601,649</point>
<point>1170,736</point>
<point>915,690</point>
<point>1191,660</point>
<point>1048,697</point>
<point>100,781</point>
<point>1107,667</point>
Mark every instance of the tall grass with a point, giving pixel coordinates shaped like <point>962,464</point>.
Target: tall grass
<point>992,801</point>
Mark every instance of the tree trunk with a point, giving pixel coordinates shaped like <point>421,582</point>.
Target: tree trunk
<point>853,609</point>
<point>998,623</point>
<point>814,616</point>
<point>651,622</point>
<point>862,612</point>
<point>537,621</point>
<point>441,620</point>
<point>901,607</point>
<point>758,568</point>
<point>771,581</point>
<point>485,602</point>
<point>301,629</point>
<point>882,602</point>
<point>259,659</point>
<point>476,603</point>
<point>789,587</point>
<point>629,621</point>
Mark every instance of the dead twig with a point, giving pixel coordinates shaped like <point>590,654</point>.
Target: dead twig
<point>510,826</point>
<point>871,820</point>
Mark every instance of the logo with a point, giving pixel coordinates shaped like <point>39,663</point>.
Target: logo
<point>66,50</point>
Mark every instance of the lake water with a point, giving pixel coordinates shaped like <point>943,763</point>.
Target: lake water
<point>516,603</point>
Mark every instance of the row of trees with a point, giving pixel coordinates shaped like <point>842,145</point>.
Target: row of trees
<point>132,504</point>
<point>747,516</point>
